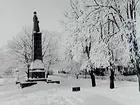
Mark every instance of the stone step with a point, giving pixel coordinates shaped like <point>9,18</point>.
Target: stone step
<point>27,84</point>
<point>50,81</point>
<point>38,79</point>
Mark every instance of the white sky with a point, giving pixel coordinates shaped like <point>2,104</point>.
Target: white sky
<point>16,14</point>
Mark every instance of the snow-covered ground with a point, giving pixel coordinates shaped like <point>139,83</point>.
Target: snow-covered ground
<point>125,93</point>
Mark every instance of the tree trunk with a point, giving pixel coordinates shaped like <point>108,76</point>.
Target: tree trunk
<point>112,79</point>
<point>85,73</point>
<point>77,75</point>
<point>92,79</point>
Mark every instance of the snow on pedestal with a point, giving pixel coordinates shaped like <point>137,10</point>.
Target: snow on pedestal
<point>36,65</point>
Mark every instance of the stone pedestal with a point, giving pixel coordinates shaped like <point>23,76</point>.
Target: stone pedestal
<point>36,70</point>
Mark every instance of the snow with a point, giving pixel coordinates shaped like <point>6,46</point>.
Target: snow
<point>125,93</point>
<point>37,64</point>
<point>38,71</point>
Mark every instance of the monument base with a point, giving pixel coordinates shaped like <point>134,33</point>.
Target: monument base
<point>37,75</point>
<point>36,71</point>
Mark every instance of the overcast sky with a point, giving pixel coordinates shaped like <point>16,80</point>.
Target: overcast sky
<point>15,14</point>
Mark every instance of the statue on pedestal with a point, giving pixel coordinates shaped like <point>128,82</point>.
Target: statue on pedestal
<point>36,69</point>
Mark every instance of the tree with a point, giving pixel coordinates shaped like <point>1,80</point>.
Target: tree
<point>80,38</point>
<point>51,55</point>
<point>21,46</point>
<point>124,17</point>
<point>131,34</point>
<point>107,24</point>
<point>68,63</point>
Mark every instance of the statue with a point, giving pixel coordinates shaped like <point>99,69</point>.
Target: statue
<point>36,23</point>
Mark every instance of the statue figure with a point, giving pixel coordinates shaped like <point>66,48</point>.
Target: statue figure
<point>36,23</point>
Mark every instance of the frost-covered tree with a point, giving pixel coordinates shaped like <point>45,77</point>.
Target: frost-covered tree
<point>111,34</point>
<point>68,62</point>
<point>123,14</point>
<point>104,30</point>
<point>51,55</point>
<point>80,37</point>
<point>21,46</point>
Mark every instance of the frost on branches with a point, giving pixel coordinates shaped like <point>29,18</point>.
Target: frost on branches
<point>104,31</point>
<point>94,24</point>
